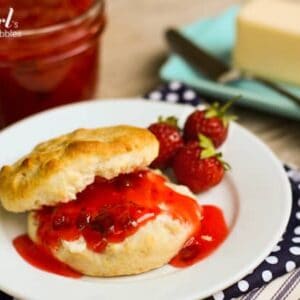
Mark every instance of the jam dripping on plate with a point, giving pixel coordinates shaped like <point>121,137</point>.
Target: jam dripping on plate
<point>40,258</point>
<point>108,211</point>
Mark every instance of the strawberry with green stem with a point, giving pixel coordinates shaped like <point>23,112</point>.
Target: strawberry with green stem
<point>198,165</point>
<point>170,140</point>
<point>212,122</point>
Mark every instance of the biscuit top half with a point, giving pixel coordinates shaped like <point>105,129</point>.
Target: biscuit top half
<point>56,170</point>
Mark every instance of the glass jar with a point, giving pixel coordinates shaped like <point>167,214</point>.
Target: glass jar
<point>50,65</point>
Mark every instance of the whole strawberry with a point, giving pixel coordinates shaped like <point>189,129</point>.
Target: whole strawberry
<point>212,122</point>
<point>170,141</point>
<point>198,166</point>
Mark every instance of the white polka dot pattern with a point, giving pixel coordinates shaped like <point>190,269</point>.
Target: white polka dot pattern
<point>297,230</point>
<point>272,260</point>
<point>266,276</point>
<point>176,92</point>
<point>172,97</point>
<point>155,96</point>
<point>276,248</point>
<point>296,240</point>
<point>295,250</point>
<point>294,175</point>
<point>189,95</point>
<point>243,285</point>
<point>175,85</point>
<point>290,266</point>
<point>219,296</point>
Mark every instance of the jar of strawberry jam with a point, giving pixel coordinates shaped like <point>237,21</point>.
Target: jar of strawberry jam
<point>49,54</point>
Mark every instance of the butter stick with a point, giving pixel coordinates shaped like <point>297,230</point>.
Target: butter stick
<point>268,40</point>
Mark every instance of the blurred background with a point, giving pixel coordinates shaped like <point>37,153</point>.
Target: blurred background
<point>134,48</point>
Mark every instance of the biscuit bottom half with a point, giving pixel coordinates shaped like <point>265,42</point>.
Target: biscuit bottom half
<point>128,225</point>
<point>152,246</point>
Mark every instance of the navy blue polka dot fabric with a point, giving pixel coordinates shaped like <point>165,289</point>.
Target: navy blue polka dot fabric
<point>175,92</point>
<point>285,256</point>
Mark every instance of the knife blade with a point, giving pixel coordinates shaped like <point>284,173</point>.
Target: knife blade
<point>214,68</point>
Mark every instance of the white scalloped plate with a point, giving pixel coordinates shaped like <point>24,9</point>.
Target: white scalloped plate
<point>255,197</point>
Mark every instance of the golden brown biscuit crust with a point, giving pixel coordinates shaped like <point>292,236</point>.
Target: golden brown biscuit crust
<point>56,170</point>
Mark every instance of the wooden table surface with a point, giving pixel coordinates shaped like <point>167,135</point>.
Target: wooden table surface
<point>134,49</point>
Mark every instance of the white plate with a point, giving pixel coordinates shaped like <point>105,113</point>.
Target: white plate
<point>255,197</point>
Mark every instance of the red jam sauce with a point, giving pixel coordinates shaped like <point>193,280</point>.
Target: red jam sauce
<point>108,211</point>
<point>40,258</point>
<point>213,232</point>
<point>50,68</point>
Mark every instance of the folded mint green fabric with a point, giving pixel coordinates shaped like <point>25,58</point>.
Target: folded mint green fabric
<point>217,35</point>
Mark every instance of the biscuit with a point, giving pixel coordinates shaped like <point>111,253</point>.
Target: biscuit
<point>152,246</point>
<point>56,170</point>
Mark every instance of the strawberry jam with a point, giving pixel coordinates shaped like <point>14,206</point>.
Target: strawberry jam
<point>49,55</point>
<point>213,232</point>
<point>108,211</point>
<point>40,258</point>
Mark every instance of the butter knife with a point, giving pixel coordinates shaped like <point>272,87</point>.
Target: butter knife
<point>212,67</point>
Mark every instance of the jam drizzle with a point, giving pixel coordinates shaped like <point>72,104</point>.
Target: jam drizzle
<point>213,232</point>
<point>109,211</point>
<point>40,258</point>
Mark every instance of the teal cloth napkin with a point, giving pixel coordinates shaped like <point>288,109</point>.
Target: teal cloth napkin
<point>217,36</point>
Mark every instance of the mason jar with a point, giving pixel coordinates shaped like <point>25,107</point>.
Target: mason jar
<point>49,54</point>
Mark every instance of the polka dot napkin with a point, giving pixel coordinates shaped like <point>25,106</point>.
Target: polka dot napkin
<point>285,256</point>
